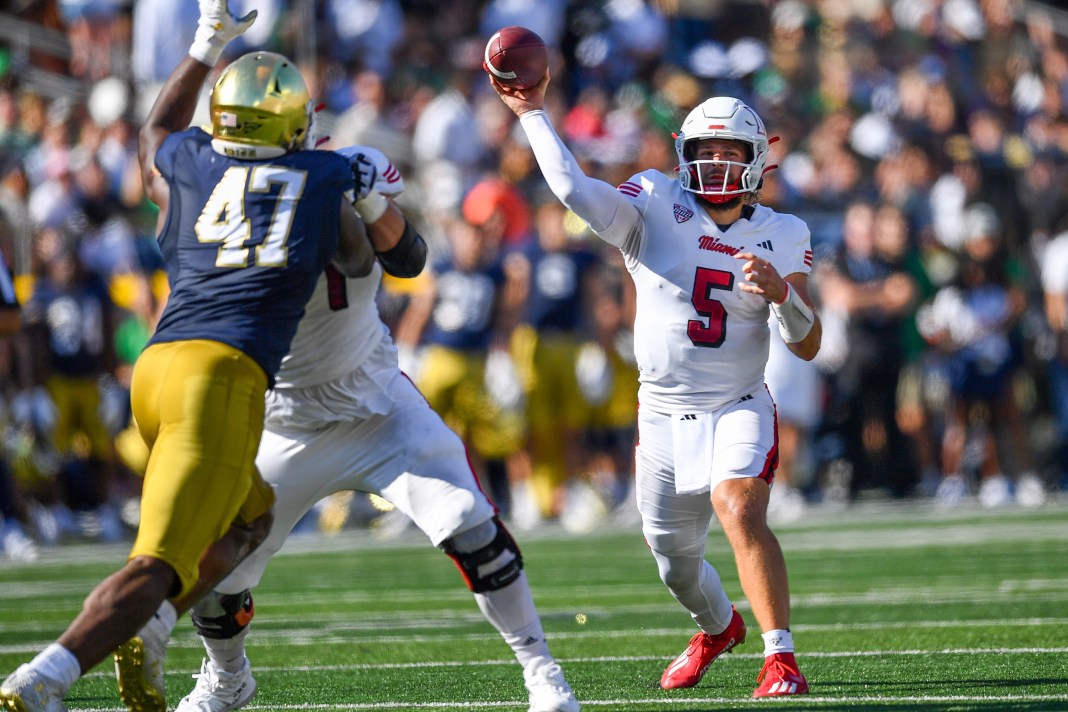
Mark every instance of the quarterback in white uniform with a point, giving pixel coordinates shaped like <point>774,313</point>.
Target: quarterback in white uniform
<point>708,264</point>
<point>342,416</point>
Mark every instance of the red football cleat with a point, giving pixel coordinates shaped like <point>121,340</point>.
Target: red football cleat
<point>688,669</point>
<point>780,676</point>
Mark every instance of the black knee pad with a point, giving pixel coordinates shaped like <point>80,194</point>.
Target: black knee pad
<point>223,615</point>
<point>490,567</point>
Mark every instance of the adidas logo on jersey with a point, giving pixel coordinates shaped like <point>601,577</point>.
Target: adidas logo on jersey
<point>766,244</point>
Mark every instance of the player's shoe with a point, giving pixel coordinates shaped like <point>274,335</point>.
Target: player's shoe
<point>219,691</point>
<point>688,669</point>
<point>139,668</point>
<point>27,690</point>
<point>549,691</point>
<point>780,677</point>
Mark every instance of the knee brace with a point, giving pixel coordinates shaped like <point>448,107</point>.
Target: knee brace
<point>487,556</point>
<point>223,615</point>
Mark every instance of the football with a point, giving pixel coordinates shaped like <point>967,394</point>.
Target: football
<point>516,57</point>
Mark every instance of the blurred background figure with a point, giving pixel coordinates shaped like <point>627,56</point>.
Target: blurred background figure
<point>869,286</point>
<point>555,275</point>
<point>975,322</point>
<point>71,321</point>
<point>797,387</point>
<point>1055,298</point>
<point>461,322</point>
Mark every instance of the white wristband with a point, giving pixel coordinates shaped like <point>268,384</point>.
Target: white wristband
<point>795,317</point>
<point>207,47</point>
<point>372,207</point>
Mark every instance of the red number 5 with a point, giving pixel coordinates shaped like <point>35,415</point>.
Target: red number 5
<point>714,332</point>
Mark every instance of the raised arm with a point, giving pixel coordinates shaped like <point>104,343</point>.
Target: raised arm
<point>177,100</point>
<point>610,215</point>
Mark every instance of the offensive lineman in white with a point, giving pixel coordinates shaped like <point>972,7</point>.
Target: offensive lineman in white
<point>708,263</point>
<point>342,416</point>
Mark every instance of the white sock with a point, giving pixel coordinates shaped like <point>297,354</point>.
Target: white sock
<point>167,615</point>
<point>777,641</point>
<point>511,611</point>
<point>57,663</point>
<point>227,654</point>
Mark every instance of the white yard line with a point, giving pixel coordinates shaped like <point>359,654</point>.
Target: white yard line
<point>652,702</point>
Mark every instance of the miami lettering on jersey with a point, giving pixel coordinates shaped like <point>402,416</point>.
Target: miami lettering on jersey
<point>714,244</point>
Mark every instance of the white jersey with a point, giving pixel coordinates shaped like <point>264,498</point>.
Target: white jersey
<point>341,327</point>
<point>700,341</point>
<point>342,416</point>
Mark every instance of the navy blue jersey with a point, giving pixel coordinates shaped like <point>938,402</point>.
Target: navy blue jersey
<point>245,242</point>
<point>74,316</point>
<point>556,280</point>
<point>463,315</point>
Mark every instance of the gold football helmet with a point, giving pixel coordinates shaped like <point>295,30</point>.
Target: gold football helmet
<point>261,100</point>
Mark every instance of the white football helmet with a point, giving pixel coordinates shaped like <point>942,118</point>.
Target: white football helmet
<point>722,117</point>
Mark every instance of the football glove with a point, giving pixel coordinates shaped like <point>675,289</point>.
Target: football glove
<point>364,175</point>
<point>215,29</point>
<point>369,203</point>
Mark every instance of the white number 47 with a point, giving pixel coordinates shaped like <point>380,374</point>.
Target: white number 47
<point>223,219</point>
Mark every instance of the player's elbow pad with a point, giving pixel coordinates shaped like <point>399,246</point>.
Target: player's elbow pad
<point>408,257</point>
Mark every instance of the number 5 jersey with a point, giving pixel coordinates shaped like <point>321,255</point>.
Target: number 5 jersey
<point>700,341</point>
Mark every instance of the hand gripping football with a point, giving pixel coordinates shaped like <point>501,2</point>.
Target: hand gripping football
<point>516,57</point>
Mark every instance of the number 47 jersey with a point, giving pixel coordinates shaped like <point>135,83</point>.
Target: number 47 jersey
<point>700,341</point>
<point>244,242</point>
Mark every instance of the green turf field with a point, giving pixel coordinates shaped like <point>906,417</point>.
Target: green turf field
<point>894,608</point>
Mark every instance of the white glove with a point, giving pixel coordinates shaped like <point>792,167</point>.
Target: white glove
<point>215,29</point>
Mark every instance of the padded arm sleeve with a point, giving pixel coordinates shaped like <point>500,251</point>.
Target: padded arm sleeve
<point>605,210</point>
<point>408,257</point>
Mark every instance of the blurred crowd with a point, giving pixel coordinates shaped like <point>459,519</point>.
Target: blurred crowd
<point>924,142</point>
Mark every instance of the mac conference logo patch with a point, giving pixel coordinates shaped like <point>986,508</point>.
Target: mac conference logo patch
<point>682,213</point>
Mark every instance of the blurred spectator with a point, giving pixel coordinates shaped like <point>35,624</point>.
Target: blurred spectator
<point>554,275</point>
<point>71,320</point>
<point>1055,295</point>
<point>15,215</point>
<point>447,149</point>
<point>93,27</point>
<point>15,520</point>
<point>871,288</point>
<point>15,142</point>
<point>544,17</point>
<point>798,390</point>
<point>462,321</point>
<point>499,208</point>
<point>973,322</point>
<point>364,32</point>
<point>610,385</point>
<point>160,38</point>
<point>368,123</point>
